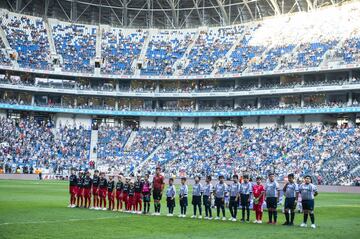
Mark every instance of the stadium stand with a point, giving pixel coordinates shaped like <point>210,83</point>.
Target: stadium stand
<point>120,48</point>
<point>28,37</point>
<point>28,143</point>
<point>76,45</point>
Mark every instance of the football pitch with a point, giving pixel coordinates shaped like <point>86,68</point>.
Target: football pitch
<point>38,209</point>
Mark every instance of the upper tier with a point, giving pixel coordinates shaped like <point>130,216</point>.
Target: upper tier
<point>324,39</point>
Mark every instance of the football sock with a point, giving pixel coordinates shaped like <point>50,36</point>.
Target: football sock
<point>270,216</point>
<point>231,211</point>
<point>292,217</point>
<point>305,217</point>
<point>287,217</point>
<point>312,218</point>
<point>275,216</point>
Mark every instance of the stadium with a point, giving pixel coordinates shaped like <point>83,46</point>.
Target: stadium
<point>183,108</point>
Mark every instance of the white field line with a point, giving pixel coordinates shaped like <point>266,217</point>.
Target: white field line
<point>67,220</point>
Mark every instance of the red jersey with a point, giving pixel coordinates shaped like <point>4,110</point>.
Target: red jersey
<point>158,182</point>
<point>257,190</point>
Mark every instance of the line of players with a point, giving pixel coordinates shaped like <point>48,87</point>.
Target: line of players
<point>130,196</point>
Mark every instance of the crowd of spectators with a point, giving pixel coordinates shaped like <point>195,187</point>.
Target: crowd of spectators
<point>28,37</point>
<point>31,144</point>
<point>164,49</point>
<point>267,45</point>
<point>327,153</point>
<point>77,46</point>
<point>120,48</point>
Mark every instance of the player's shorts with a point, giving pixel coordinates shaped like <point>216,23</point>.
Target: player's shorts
<point>196,200</point>
<point>233,202</point>
<point>271,202</point>
<point>206,201</point>
<point>110,195</point>
<point>95,191</point>
<point>130,200</point>
<point>79,192</point>
<point>308,205</point>
<point>118,195</point>
<point>146,197</point>
<point>184,202</point>
<point>73,190</point>
<point>137,197</point>
<point>245,200</point>
<point>157,195</point>
<point>87,192</point>
<point>219,202</point>
<point>170,202</point>
<point>124,197</point>
<point>290,203</point>
<point>102,192</point>
<point>258,207</point>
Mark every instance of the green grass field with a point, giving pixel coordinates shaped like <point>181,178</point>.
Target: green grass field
<point>33,209</point>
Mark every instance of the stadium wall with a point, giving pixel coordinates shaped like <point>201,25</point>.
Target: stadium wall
<point>2,113</point>
<point>294,121</point>
<point>251,122</point>
<point>147,122</point>
<point>205,123</point>
<point>187,123</point>
<point>72,120</point>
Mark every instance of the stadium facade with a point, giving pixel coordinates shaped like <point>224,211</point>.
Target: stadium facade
<point>271,69</point>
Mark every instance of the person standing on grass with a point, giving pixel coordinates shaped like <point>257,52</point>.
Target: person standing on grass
<point>308,193</point>
<point>138,197</point>
<point>119,190</point>
<point>196,197</point>
<point>170,197</point>
<point>272,193</point>
<point>234,191</point>
<point>72,188</point>
<point>183,197</point>
<point>291,191</point>
<point>102,191</point>
<point>158,187</point>
<point>87,190</point>
<point>258,193</point>
<point>95,189</point>
<point>146,192</point>
<point>131,198</point>
<point>220,192</point>
<point>111,190</point>
<point>80,190</point>
<point>125,193</point>
<point>208,191</point>
<point>245,195</point>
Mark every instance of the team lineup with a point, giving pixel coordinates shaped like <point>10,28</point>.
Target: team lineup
<point>130,196</point>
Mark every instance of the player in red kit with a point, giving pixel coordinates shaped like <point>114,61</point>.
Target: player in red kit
<point>258,194</point>
<point>111,192</point>
<point>138,196</point>
<point>158,187</point>
<point>95,190</point>
<point>72,189</point>
<point>119,191</point>
<point>80,190</point>
<point>125,193</point>
<point>102,191</point>
<point>87,189</point>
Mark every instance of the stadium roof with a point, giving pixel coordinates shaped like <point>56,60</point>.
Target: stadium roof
<point>162,13</point>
